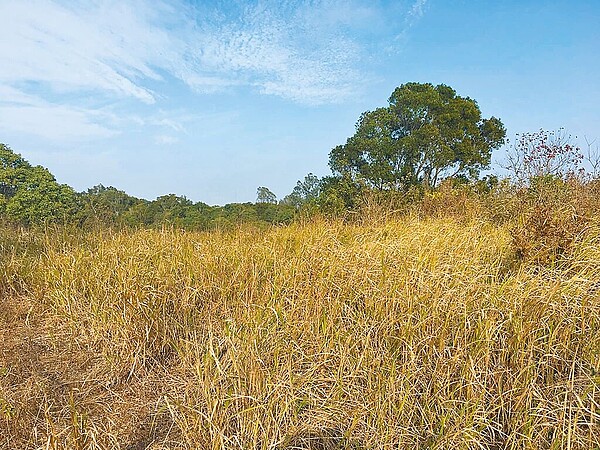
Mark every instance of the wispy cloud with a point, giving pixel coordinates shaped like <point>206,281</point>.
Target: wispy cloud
<point>285,49</point>
<point>417,9</point>
<point>414,14</point>
<point>103,48</point>
<point>57,123</point>
<point>281,48</point>
<point>25,113</point>
<point>65,58</point>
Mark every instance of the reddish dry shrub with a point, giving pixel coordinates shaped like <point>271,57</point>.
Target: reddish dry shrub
<point>546,234</point>
<point>551,215</point>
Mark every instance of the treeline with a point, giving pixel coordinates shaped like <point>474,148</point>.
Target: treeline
<point>30,196</point>
<point>426,138</point>
<point>108,205</point>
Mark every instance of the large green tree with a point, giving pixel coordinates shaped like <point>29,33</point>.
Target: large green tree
<point>426,133</point>
<point>30,194</point>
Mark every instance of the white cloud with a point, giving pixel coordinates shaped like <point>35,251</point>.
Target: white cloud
<point>116,47</point>
<point>57,123</point>
<point>173,124</point>
<point>61,59</point>
<point>206,84</point>
<point>105,48</point>
<point>26,113</point>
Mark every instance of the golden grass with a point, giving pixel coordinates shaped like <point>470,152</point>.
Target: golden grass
<point>400,334</point>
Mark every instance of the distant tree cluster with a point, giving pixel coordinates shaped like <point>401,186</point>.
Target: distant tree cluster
<point>30,195</point>
<point>110,206</point>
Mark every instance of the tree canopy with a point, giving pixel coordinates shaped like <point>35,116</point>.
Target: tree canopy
<point>264,195</point>
<point>425,134</point>
<point>30,194</point>
<point>306,191</point>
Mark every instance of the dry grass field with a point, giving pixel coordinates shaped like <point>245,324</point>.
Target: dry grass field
<point>401,333</point>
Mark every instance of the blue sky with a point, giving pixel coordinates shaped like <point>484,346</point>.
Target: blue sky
<point>211,99</point>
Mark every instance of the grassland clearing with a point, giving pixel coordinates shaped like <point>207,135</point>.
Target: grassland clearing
<point>397,333</point>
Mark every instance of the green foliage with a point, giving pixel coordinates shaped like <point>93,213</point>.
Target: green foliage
<point>306,192</point>
<point>170,209</point>
<point>13,171</point>
<point>272,213</point>
<point>30,194</point>
<point>180,212</point>
<point>426,133</point>
<point>339,194</point>
<point>105,205</point>
<point>264,195</point>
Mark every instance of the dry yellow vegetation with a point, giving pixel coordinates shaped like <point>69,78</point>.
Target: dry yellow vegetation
<point>394,334</point>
